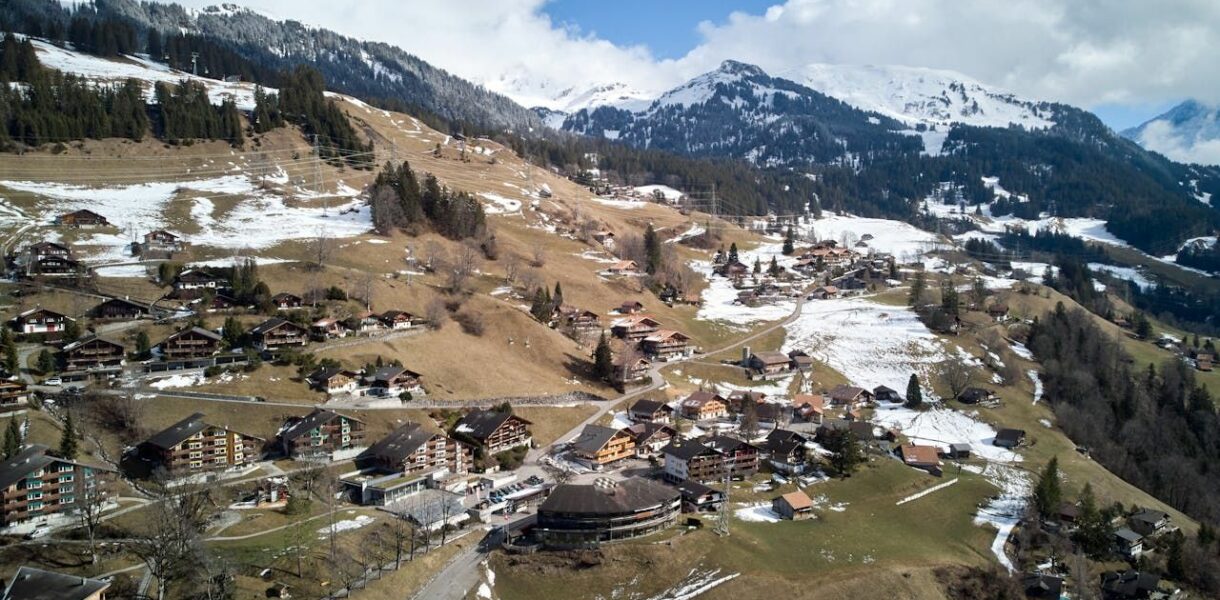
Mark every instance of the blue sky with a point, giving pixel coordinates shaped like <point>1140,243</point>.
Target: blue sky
<point>666,27</point>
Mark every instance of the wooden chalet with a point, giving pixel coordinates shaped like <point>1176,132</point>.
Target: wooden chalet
<point>119,309</point>
<point>54,266</point>
<point>691,460</point>
<point>193,342</point>
<point>650,438</point>
<point>977,395</point>
<point>328,328</point>
<point>287,301</point>
<point>92,353</point>
<point>740,457</point>
<point>160,244</point>
<point>1008,438</point>
<point>885,394</point>
<point>634,328</point>
<point>733,269</point>
<point>277,334</point>
<point>630,370</point>
<point>397,319</point>
<point>599,445</point>
<point>650,411</point>
<point>193,444</point>
<point>665,344</point>
<point>793,506</point>
<point>368,322</point>
<point>809,408</point>
<point>786,451</point>
<point>393,381</point>
<point>40,320</point>
<point>849,396</point>
<point>31,583</point>
<point>322,434</point>
<point>741,400</point>
<point>623,267</point>
<point>926,458</point>
<point>195,280</point>
<point>334,380</point>
<point>82,219</point>
<point>13,394</point>
<point>576,319</point>
<point>997,310</point>
<point>493,431</point>
<point>630,307</point>
<point>221,302</point>
<point>799,360</point>
<point>703,405</point>
<point>766,363</point>
<point>413,450</point>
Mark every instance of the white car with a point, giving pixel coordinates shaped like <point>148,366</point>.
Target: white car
<point>37,532</point>
<point>53,381</point>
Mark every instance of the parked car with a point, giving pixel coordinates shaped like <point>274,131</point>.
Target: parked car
<point>53,381</point>
<point>37,532</point>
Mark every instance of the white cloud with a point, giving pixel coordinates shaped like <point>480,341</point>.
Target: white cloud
<point>1085,52</point>
<point>1161,136</point>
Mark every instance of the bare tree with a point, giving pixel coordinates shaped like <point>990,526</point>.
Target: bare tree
<point>91,501</point>
<point>956,376</point>
<point>434,253</point>
<point>531,280</point>
<point>168,543</point>
<point>436,314</point>
<point>465,266</point>
<point>538,256</point>
<point>512,267</point>
<point>321,250</point>
<point>121,415</point>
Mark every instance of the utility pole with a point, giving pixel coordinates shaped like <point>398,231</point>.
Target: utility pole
<point>722,523</point>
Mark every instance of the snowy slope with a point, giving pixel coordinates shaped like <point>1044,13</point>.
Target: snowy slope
<point>111,71</point>
<point>924,96</point>
<point>1189,132</point>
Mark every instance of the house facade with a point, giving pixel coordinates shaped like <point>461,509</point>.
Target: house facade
<point>119,309</point>
<point>412,450</point>
<point>277,334</point>
<point>600,446</point>
<point>393,381</point>
<point>494,431</point>
<point>322,434</point>
<point>691,460</point>
<point>37,486</point>
<point>334,380</point>
<point>83,219</point>
<point>193,445</point>
<point>634,328</point>
<point>93,353</point>
<point>703,405</point>
<point>194,342</point>
<point>13,394</point>
<point>40,320</point>
<point>666,345</point>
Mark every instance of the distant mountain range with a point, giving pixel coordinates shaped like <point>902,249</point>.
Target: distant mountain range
<point>1188,133</point>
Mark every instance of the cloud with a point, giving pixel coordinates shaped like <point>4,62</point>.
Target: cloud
<point>1085,52</point>
<point>1162,136</point>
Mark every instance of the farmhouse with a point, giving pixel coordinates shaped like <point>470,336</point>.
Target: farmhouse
<point>82,219</point>
<point>398,319</point>
<point>976,395</point>
<point>665,344</point>
<point>493,431</point>
<point>799,360</point>
<point>786,451</point>
<point>1149,522</point>
<point>630,307</point>
<point>160,243</point>
<point>741,400</point>
<point>631,369</point>
<point>1009,438</point>
<point>623,267</point>
<point>703,405</point>
<point>93,353</point>
<point>13,394</point>
<point>849,396</point>
<point>926,458</point>
<point>697,497</point>
<point>765,364</point>
<point>194,280</point>
<point>1128,542</point>
<point>39,320</point>
<point>599,445</point>
<point>29,583</point>
<point>885,394</point>
<point>322,434</point>
<point>808,407</point>
<point>794,506</point>
<point>328,328</point>
<point>276,334</point>
<point>578,319</point>
<point>650,411</point>
<point>37,485</point>
<point>193,342</point>
<point>119,309</point>
<point>192,444</point>
<point>650,438</point>
<point>634,328</point>
<point>582,516</point>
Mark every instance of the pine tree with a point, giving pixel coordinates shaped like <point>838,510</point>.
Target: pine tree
<point>757,266</point>
<point>845,452</point>
<point>12,363</point>
<point>142,345</point>
<point>12,438</point>
<point>732,253</point>
<point>774,270</point>
<point>1048,492</point>
<point>789,242</point>
<point>541,308</point>
<point>71,331</point>
<point>1143,328</point>
<point>68,443</point>
<point>603,361</point>
<point>652,251</point>
<point>949,301</point>
<point>914,393</point>
<point>46,362</point>
<point>918,285</point>
<point>557,297</point>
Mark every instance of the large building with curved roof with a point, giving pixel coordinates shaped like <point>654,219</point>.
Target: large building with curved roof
<point>606,511</point>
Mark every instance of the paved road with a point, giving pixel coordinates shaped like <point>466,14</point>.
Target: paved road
<point>462,573</point>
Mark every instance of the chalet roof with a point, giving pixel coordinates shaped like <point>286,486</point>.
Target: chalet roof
<point>846,393</point>
<point>389,373</point>
<point>649,407</point>
<point>782,446</point>
<point>1127,535</point>
<point>397,445</point>
<point>271,325</point>
<point>30,583</point>
<point>881,389</point>
<point>771,358</point>
<point>624,265</point>
<point>685,450</point>
<point>29,459</point>
<point>693,489</point>
<point>595,437</point>
<point>974,394</point>
<point>643,432</point>
<point>815,402</point>
<point>919,455</point>
<point>394,315</point>
<point>726,444</point>
<point>328,373</point>
<point>1129,584</point>
<point>285,296</point>
<point>84,212</point>
<point>698,398</point>
<point>797,500</point>
<point>160,233</point>
<point>1012,436</point>
<point>46,245</point>
<point>197,275</point>
<point>1040,585</point>
<point>481,424</point>
<point>665,335</point>
<point>608,498</point>
<point>90,339</point>
<point>178,432</point>
<point>207,333</point>
<point>1150,516</point>
<point>303,425</point>
<point>124,302</point>
<point>633,320</point>
<point>40,310</point>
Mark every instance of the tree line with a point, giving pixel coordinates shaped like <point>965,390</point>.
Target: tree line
<point>400,201</point>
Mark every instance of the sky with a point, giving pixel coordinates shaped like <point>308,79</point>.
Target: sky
<point>1127,60</point>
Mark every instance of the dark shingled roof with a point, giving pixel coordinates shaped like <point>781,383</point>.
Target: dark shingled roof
<point>207,333</point>
<point>313,420</point>
<point>397,445</point>
<point>272,324</point>
<point>687,450</point>
<point>178,432</point>
<point>35,584</point>
<point>21,464</point>
<point>481,424</point>
<point>627,496</point>
<point>648,407</point>
<point>693,489</point>
<point>594,437</point>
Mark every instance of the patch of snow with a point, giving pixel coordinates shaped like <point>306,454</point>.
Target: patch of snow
<point>345,525</point>
<point>757,512</point>
<point>939,426</point>
<point>499,205</point>
<point>919,495</point>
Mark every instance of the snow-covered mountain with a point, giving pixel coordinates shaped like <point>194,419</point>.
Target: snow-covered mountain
<point>916,95</point>
<point>1188,132</point>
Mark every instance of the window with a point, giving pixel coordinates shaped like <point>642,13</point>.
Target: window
<point>33,483</point>
<point>34,506</point>
<point>33,496</point>
<point>67,489</point>
<point>65,479</point>
<point>66,499</point>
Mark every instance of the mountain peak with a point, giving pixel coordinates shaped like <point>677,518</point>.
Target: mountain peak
<point>1187,133</point>
<point>740,69</point>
